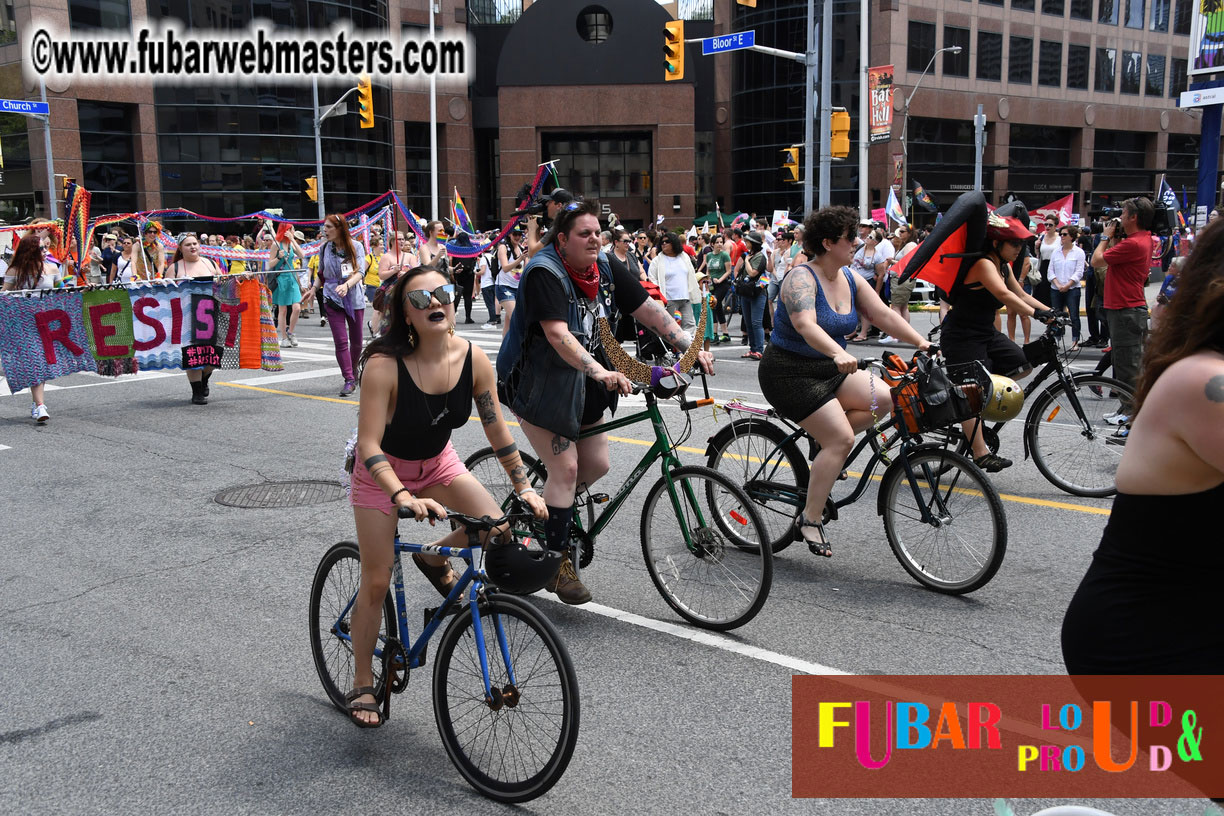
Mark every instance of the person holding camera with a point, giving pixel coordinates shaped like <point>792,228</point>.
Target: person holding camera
<point>1126,311</point>
<point>552,204</point>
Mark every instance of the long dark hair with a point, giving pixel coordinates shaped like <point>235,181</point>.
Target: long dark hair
<point>343,239</point>
<point>399,340</point>
<point>1194,319</point>
<point>27,261</point>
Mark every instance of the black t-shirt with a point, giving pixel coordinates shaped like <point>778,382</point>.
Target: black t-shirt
<point>544,298</point>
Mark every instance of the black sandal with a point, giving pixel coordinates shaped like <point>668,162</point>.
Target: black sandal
<point>823,548</point>
<point>437,575</point>
<point>992,463</point>
<point>354,707</point>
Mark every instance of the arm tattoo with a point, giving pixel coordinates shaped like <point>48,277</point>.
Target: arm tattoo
<point>374,460</point>
<point>484,407</point>
<point>1215,388</point>
<point>798,294</point>
<point>588,365</point>
<point>559,444</point>
<point>502,453</point>
<point>518,475</point>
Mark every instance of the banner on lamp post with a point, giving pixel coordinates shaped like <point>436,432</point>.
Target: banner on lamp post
<point>880,96</point>
<point>898,168</point>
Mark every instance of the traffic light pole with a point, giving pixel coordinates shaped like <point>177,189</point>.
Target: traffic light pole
<point>337,108</point>
<point>50,162</point>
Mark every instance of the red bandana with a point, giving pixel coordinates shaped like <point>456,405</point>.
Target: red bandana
<point>587,282</point>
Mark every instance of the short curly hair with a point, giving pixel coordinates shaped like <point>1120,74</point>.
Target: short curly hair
<point>831,223</point>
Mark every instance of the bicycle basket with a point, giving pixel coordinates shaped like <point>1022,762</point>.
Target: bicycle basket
<point>938,396</point>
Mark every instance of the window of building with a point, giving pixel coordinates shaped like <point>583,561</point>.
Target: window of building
<point>1020,59</point>
<point>1119,150</point>
<point>594,24</point>
<point>1107,12</point>
<point>1160,15</point>
<point>8,23</point>
<point>1105,70</point>
<point>1022,5</point>
<point>1134,14</point>
<point>989,55</point>
<point>1154,86</point>
<point>1081,9</point>
<point>1177,76</point>
<point>1054,7</point>
<point>1077,66</point>
<point>1132,70</point>
<point>98,14</point>
<point>992,2</point>
<point>416,165</point>
<point>108,155</point>
<point>1182,10</point>
<point>956,64</point>
<point>921,45</point>
<point>1049,64</point>
<point>604,165</point>
<point>1038,159</point>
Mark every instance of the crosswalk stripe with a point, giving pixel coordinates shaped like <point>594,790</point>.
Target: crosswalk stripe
<point>290,377</point>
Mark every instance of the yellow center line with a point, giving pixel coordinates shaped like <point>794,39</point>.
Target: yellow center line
<point>1058,505</point>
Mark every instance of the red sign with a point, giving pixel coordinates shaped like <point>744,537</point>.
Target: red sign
<point>880,102</point>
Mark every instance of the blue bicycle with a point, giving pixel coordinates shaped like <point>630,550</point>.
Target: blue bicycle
<point>505,693</point>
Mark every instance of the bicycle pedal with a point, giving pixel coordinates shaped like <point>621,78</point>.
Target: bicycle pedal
<point>599,498</point>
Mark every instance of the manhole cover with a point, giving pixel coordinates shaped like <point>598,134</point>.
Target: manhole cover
<point>280,494</point>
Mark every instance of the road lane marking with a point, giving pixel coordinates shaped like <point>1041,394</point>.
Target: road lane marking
<point>300,375</point>
<point>1057,505</point>
<point>704,638</point>
<point>5,447</point>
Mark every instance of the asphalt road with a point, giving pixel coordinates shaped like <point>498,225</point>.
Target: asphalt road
<point>156,645</point>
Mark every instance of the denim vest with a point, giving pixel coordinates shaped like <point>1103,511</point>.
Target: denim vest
<point>533,379</point>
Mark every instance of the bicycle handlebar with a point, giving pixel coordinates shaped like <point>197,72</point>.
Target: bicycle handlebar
<point>484,523</point>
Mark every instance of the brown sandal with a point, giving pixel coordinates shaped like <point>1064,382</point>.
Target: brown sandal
<point>354,707</point>
<point>437,575</point>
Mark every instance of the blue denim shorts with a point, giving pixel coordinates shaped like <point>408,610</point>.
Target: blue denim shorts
<point>505,293</point>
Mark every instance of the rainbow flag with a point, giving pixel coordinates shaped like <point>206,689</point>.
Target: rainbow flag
<point>461,215</point>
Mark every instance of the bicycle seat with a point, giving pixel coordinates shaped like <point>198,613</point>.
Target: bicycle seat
<point>667,382</point>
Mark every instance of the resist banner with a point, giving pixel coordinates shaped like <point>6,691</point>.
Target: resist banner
<point>880,103</point>
<point>191,324</point>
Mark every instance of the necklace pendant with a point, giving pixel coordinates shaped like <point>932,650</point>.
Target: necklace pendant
<point>438,418</point>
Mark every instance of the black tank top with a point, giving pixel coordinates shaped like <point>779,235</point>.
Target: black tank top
<point>1148,602</point>
<point>974,308</point>
<point>422,423</point>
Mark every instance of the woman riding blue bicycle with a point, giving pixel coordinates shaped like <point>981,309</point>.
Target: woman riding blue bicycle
<point>418,381</point>
<point>806,373</point>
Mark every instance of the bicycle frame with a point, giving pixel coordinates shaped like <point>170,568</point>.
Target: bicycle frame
<point>660,450</point>
<point>471,580</point>
<point>879,454</point>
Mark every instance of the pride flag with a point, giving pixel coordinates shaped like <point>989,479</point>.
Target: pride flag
<point>461,215</point>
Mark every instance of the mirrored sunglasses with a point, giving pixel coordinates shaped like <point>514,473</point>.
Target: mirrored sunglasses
<point>420,298</point>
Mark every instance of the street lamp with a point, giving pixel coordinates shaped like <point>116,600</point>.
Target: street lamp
<point>953,49</point>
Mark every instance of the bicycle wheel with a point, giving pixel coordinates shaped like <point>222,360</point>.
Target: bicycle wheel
<point>757,455</point>
<point>516,746</point>
<point>1078,456</point>
<point>711,579</point>
<point>332,595</point>
<point>488,471</point>
<point>962,547</point>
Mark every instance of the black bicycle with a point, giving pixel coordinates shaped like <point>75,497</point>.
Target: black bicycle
<point>943,518</point>
<point>1071,430</point>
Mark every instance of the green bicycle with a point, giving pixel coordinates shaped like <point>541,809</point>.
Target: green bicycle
<point>704,544</point>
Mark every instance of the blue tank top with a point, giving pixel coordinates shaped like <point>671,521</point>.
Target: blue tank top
<point>835,325</point>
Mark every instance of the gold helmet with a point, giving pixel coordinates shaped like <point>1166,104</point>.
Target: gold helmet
<point>1004,400</point>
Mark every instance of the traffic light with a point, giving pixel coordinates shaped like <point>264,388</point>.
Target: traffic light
<point>312,188</point>
<point>673,50</point>
<point>751,3</point>
<point>68,182</point>
<point>839,146</point>
<point>365,101</point>
<point>791,163</point>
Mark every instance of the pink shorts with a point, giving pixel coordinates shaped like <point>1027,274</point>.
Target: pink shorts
<point>416,474</point>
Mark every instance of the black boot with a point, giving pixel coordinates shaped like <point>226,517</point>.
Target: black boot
<point>197,394</point>
<point>204,380</point>
<point>565,584</point>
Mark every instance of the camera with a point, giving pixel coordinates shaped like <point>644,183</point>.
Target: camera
<point>1164,220</point>
<point>1097,227</point>
<point>536,205</point>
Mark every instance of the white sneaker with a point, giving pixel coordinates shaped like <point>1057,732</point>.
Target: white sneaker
<point>1118,418</point>
<point>40,414</point>
<point>293,343</point>
<point>884,338</point>
<point>490,326</point>
<point>284,343</point>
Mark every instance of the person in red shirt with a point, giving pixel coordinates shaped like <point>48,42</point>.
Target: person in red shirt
<point>1126,310</point>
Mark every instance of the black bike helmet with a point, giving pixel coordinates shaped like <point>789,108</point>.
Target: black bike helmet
<point>516,567</point>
